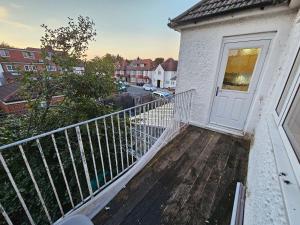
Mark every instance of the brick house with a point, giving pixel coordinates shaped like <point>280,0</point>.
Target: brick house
<point>12,102</point>
<point>138,71</point>
<point>13,63</point>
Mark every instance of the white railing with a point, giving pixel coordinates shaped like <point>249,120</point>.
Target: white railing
<point>51,175</point>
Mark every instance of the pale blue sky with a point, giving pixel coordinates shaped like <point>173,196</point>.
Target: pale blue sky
<point>130,28</point>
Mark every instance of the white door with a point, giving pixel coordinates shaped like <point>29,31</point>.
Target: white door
<point>240,68</point>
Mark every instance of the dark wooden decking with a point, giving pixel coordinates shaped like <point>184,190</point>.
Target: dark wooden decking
<point>190,181</point>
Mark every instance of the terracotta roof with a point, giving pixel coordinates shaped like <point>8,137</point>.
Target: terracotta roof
<point>211,8</point>
<point>170,65</point>
<point>136,65</point>
<point>8,92</point>
<point>122,65</point>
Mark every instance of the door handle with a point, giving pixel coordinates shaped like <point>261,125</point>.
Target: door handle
<point>217,91</point>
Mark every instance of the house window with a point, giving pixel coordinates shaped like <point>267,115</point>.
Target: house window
<point>29,55</point>
<point>4,53</point>
<point>159,72</point>
<point>30,68</point>
<point>10,68</point>
<point>51,68</point>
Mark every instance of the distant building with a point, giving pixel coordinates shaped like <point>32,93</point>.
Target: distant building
<point>15,61</point>
<point>138,71</point>
<point>165,74</point>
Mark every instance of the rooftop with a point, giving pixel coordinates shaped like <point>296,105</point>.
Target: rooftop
<point>8,92</point>
<point>212,8</point>
<point>190,181</point>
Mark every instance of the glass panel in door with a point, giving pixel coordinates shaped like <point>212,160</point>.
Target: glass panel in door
<point>239,69</point>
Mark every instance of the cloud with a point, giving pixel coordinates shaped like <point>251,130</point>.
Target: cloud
<point>3,12</point>
<point>14,5</point>
<point>4,19</point>
<point>16,24</point>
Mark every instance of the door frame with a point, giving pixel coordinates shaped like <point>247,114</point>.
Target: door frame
<point>234,39</point>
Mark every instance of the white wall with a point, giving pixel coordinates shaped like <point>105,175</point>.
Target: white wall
<point>158,74</point>
<point>265,202</point>
<point>164,77</point>
<point>199,54</point>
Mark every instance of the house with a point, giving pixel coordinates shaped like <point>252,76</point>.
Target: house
<point>15,61</point>
<point>242,58</point>
<point>165,74</point>
<point>12,102</point>
<point>138,71</point>
<point>121,71</point>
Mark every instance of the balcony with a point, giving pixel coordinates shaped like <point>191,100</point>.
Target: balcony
<point>142,165</point>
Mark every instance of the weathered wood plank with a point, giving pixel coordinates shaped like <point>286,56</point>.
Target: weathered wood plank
<point>190,181</point>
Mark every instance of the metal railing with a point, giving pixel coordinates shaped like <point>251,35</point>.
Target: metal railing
<point>48,176</point>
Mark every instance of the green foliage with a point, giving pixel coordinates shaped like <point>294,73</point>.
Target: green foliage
<point>82,97</point>
<point>159,61</point>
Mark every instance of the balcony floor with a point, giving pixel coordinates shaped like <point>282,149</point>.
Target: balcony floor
<point>190,181</point>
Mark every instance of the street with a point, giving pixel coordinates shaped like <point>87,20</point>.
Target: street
<point>135,91</point>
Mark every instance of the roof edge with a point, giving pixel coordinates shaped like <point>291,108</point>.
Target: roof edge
<point>173,24</point>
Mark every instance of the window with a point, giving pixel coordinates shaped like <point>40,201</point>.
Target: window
<point>291,124</point>
<point>288,84</point>
<point>29,55</point>
<point>10,68</point>
<point>30,68</point>
<point>288,111</point>
<point>239,69</point>
<point>51,68</point>
<point>4,53</point>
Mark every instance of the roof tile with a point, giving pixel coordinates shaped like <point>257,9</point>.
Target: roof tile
<point>211,8</point>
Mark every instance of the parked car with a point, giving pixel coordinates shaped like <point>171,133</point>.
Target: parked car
<point>121,86</point>
<point>162,94</point>
<point>140,84</point>
<point>149,87</point>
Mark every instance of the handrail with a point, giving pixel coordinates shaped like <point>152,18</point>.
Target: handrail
<point>80,123</point>
<point>105,147</point>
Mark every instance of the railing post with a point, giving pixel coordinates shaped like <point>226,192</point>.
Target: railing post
<point>35,184</point>
<point>107,148</point>
<point>12,181</point>
<point>101,154</point>
<point>114,143</point>
<point>85,167</point>
<point>93,155</point>
<point>73,163</point>
<point>4,214</point>
<point>62,169</point>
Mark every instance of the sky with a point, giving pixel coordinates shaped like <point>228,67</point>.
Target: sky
<point>130,28</point>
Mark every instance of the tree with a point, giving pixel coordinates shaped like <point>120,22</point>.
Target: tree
<point>81,92</point>
<point>82,100</point>
<point>159,61</point>
<point>5,45</point>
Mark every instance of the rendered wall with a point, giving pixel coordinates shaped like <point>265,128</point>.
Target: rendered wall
<point>199,55</point>
<point>265,201</point>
